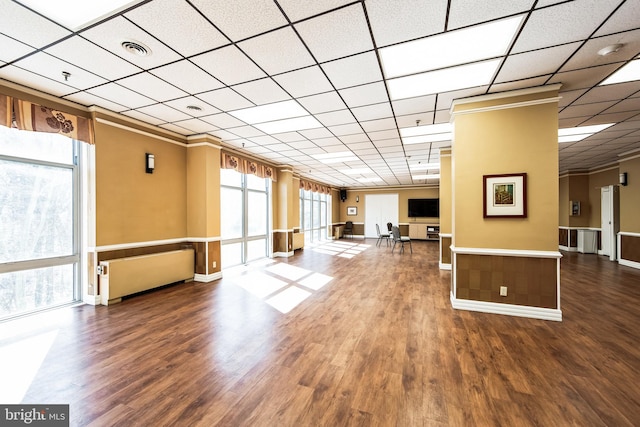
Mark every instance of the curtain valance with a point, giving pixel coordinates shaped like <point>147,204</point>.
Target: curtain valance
<point>314,187</point>
<point>25,115</point>
<point>248,166</point>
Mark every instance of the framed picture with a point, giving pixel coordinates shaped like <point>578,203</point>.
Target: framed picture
<point>575,208</point>
<point>352,210</point>
<point>505,196</point>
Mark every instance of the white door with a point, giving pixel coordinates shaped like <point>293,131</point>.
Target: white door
<point>379,209</point>
<point>606,209</point>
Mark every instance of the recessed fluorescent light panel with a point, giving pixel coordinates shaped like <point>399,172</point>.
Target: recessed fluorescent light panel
<point>376,179</point>
<point>429,133</point>
<point>270,112</point>
<point>449,49</point>
<point>581,132</point>
<point>427,176</point>
<point>425,167</point>
<point>336,157</point>
<point>289,125</point>
<point>628,73</point>
<point>356,171</point>
<point>76,14</point>
<point>461,77</point>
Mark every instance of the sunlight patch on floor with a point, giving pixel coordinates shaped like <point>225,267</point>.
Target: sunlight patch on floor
<point>315,281</point>
<point>288,271</point>
<point>288,299</point>
<point>340,248</point>
<point>259,284</point>
<point>19,364</point>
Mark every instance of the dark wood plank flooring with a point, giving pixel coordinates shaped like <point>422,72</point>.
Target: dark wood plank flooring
<point>378,345</point>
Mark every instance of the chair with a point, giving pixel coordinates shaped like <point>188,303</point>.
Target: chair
<point>389,225</point>
<point>401,240</point>
<point>348,229</point>
<point>381,236</point>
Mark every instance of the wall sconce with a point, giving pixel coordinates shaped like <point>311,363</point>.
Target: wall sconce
<point>623,179</point>
<point>357,199</point>
<point>150,162</point>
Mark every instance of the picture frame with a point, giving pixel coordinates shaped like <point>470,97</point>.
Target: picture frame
<point>505,195</point>
<point>352,210</point>
<point>574,207</point>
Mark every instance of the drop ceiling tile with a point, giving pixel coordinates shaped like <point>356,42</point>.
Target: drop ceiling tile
<point>35,81</point>
<point>112,33</point>
<point>143,117</point>
<point>240,19</point>
<point>568,97</point>
<point>289,136</point>
<point>354,137</point>
<point>223,120</point>
<point>372,112</point>
<point>121,95</point>
<point>395,142</point>
<point>418,104</point>
<point>585,109</point>
<point>609,92</point>
<point>246,131</point>
<point>322,103</point>
<point>237,67</point>
<point>152,87</point>
<point>87,55</point>
<point>519,84</point>
<point>469,12</point>
<point>196,126</point>
<point>588,56</point>
<point>536,63</point>
<point>263,91</point>
<point>411,119</point>
<point>446,98</point>
<point>177,129</point>
<point>225,99</point>
<point>381,124</point>
<point>354,70</point>
<point>12,49</point>
<point>392,24</point>
<point>52,68</point>
<point>170,28</point>
<point>583,79</point>
<point>223,135</point>
<point>258,150</point>
<point>337,34</point>
<point>266,140</point>
<point>301,145</point>
<point>278,51</point>
<point>164,112</point>
<point>347,129</point>
<point>442,116</point>
<point>279,147</point>
<point>372,93</point>
<point>297,10</point>
<point>87,99</point>
<point>384,135</point>
<point>315,133</point>
<point>182,104</point>
<point>336,118</point>
<point>308,81</point>
<point>326,143</point>
<point>15,18</point>
<point>627,16</point>
<point>548,27</point>
<point>187,76</point>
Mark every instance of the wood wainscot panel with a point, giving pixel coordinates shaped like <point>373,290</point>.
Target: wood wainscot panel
<point>630,248</point>
<point>280,242</point>
<point>215,254</point>
<point>445,248</point>
<point>530,281</point>
<point>201,257</point>
<point>573,238</point>
<point>358,229</point>
<point>563,237</point>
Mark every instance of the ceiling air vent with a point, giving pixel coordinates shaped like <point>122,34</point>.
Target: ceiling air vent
<point>136,48</point>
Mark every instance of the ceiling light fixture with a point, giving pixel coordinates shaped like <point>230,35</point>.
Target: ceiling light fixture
<point>76,14</point>
<point>427,176</point>
<point>425,167</point>
<point>626,73</point>
<point>336,157</point>
<point>579,133</point>
<point>194,108</point>
<point>356,171</point>
<point>270,112</point>
<point>608,50</point>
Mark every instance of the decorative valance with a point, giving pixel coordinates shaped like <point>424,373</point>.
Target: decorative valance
<point>5,110</point>
<point>34,117</point>
<point>314,187</point>
<point>248,166</point>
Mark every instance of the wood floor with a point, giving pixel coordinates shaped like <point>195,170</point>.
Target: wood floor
<point>377,345</point>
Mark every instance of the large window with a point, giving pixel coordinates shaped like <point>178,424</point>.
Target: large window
<point>39,231</point>
<point>244,207</point>
<point>313,215</point>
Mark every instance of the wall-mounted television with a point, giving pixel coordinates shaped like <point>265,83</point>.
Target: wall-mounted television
<point>424,208</point>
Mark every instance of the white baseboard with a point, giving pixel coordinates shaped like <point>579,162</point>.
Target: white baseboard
<point>507,309</point>
<point>206,278</point>
<point>282,254</point>
<point>568,248</point>
<point>91,299</point>
<point>445,266</point>
<point>628,263</point>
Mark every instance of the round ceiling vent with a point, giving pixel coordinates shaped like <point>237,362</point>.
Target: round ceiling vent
<point>136,48</point>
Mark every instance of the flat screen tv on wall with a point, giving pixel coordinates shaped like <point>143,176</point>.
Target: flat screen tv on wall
<point>424,208</point>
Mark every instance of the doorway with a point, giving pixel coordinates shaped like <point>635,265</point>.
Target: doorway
<point>379,209</point>
<point>610,221</point>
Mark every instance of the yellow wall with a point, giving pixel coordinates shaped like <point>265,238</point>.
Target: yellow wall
<point>597,180</point>
<point>445,191</point>
<point>563,211</point>
<point>203,191</point>
<point>630,196</point>
<point>510,140</point>
<point>579,192</point>
<point>131,205</point>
